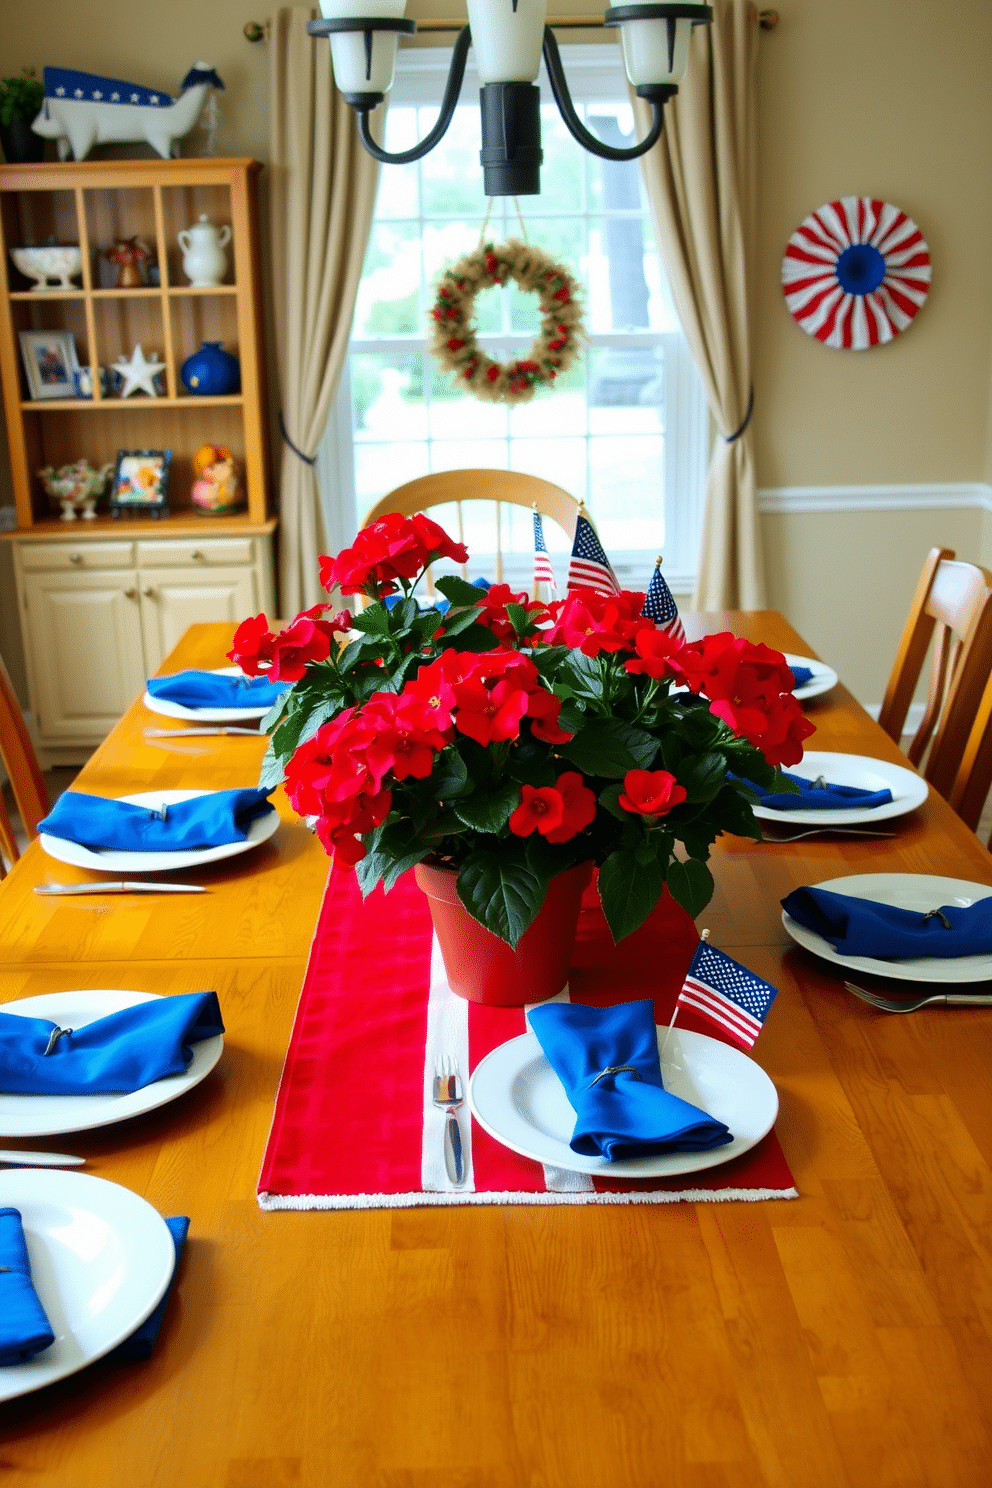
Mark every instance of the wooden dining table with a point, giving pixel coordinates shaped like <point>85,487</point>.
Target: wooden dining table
<point>839,1338</point>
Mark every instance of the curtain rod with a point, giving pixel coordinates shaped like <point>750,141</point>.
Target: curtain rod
<point>259,31</point>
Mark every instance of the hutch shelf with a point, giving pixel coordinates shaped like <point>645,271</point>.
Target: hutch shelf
<point>101,601</point>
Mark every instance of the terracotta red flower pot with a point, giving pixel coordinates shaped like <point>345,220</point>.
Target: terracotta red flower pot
<point>483,968</point>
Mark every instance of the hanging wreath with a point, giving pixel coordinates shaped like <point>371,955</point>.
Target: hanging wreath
<point>453,332</point>
<point>855,273</point>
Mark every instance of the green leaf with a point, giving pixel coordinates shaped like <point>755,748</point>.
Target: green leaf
<point>478,638</point>
<point>373,620</point>
<point>449,775</point>
<point>403,614</point>
<point>399,866</point>
<point>427,623</point>
<point>488,811</point>
<point>458,590</point>
<point>323,711</point>
<point>271,772</point>
<point>461,620</point>
<point>518,618</point>
<point>501,891</point>
<point>609,798</point>
<point>369,870</point>
<point>703,777</point>
<point>609,747</point>
<point>690,884</point>
<point>629,891</point>
<point>732,809</point>
<point>275,712</point>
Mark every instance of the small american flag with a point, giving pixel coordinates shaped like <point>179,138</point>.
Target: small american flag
<point>589,567</point>
<point>660,607</point>
<point>728,994</point>
<point>543,572</point>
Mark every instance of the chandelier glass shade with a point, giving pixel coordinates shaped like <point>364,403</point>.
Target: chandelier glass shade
<point>509,38</point>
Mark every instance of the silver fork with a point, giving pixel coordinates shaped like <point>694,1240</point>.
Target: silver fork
<point>910,1004</point>
<point>448,1096</point>
<point>826,832</point>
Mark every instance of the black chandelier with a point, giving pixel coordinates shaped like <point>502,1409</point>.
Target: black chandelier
<point>509,37</point>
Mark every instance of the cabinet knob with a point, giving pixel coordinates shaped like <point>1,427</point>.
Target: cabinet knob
<point>149,593</point>
<point>75,557</point>
<point>197,556</point>
<point>130,593</point>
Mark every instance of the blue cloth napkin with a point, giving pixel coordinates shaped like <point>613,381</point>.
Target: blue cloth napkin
<point>124,1051</point>
<point>802,675</point>
<point>144,1338</point>
<point>820,798</point>
<point>630,1113</point>
<point>210,820</point>
<point>24,1328</point>
<point>862,927</point>
<point>194,689</point>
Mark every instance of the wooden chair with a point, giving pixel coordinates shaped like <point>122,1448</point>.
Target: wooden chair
<point>974,778</point>
<point>498,487</point>
<point>21,763</point>
<point>955,600</point>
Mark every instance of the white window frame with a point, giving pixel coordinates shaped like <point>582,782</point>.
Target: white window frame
<point>595,73</point>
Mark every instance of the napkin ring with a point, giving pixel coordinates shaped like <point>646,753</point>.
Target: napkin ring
<point>615,1069</point>
<point>54,1037</point>
<point>941,917</point>
<point>820,783</point>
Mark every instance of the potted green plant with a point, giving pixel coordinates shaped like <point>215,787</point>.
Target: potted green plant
<point>20,99</point>
<point>506,747</point>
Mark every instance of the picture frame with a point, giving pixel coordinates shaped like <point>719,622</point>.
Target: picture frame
<point>140,483</point>
<point>49,363</point>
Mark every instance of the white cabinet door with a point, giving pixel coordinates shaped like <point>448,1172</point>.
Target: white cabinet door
<point>83,641</point>
<point>173,599</point>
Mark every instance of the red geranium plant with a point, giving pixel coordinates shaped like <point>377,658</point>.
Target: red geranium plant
<point>514,740</point>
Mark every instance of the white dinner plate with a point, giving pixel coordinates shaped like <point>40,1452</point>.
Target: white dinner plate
<point>909,790</point>
<point>111,860</point>
<point>205,715</point>
<point>922,891</point>
<point>518,1098</point>
<point>101,1260</point>
<point>48,1115</point>
<point>822,680</point>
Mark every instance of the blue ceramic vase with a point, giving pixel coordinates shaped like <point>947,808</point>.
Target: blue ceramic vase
<point>211,371</point>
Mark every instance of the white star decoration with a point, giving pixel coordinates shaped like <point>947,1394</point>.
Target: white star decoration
<point>139,372</point>
<point>60,92</point>
<point>79,93</point>
<point>97,93</point>
<point>115,98</point>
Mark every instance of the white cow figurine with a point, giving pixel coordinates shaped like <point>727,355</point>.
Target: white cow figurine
<point>82,110</point>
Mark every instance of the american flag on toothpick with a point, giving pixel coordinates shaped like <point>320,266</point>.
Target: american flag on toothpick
<point>720,989</point>
<point>660,607</point>
<point>545,587</point>
<point>589,567</point>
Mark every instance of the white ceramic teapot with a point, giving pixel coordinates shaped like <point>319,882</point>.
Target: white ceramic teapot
<point>204,259</point>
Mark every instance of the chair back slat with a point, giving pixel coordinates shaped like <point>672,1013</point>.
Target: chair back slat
<point>953,607</point>
<point>19,758</point>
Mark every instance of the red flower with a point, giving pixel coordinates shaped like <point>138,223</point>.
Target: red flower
<point>655,649</point>
<point>543,709</point>
<point>490,715</point>
<point>392,547</point>
<point>406,739</point>
<point>454,344</point>
<point>541,809</point>
<point>592,622</point>
<point>303,641</point>
<point>253,641</point>
<point>650,792</point>
<point>750,687</point>
<point>578,807</point>
<point>492,372</point>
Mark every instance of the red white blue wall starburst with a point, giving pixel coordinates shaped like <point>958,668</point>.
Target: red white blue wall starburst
<point>856,272</point>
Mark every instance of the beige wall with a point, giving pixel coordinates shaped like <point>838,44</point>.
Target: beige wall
<point>887,97</point>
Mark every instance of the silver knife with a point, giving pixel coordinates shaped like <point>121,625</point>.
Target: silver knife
<point>189,733</point>
<point>41,1159</point>
<point>121,886</point>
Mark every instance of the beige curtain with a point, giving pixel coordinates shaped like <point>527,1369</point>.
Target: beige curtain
<point>322,194</point>
<point>700,181</point>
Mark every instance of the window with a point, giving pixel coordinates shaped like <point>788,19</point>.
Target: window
<point>626,429</point>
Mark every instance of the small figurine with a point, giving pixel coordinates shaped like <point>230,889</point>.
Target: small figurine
<point>81,109</point>
<point>75,487</point>
<point>138,373</point>
<point>216,490</point>
<point>128,253</point>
